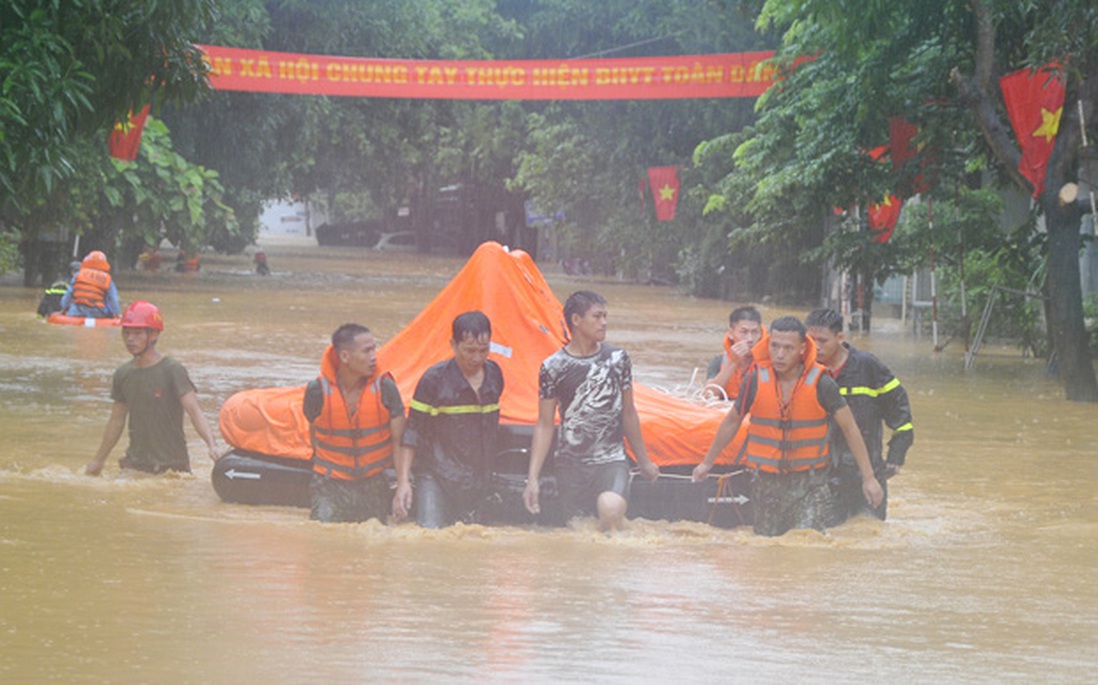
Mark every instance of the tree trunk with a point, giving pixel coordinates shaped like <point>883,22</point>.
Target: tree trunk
<point>1065,305</point>
<point>865,301</point>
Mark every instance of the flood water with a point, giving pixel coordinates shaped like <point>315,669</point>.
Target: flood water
<point>985,571</point>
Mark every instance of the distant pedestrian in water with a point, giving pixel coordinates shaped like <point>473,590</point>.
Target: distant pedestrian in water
<point>153,392</point>
<point>591,383</point>
<point>261,266</point>
<point>356,415</point>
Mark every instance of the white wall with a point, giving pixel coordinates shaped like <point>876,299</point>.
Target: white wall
<point>285,217</point>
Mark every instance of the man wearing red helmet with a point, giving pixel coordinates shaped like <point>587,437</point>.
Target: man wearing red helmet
<point>92,291</point>
<point>154,391</point>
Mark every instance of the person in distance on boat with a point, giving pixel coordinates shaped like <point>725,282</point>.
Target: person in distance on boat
<point>726,370</point>
<point>51,299</point>
<point>355,415</point>
<point>791,400</point>
<point>875,396</point>
<point>591,384</point>
<point>153,391</point>
<point>92,291</point>
<point>451,435</point>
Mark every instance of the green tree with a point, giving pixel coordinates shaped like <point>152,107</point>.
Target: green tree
<point>935,62</point>
<point>164,196</point>
<point>68,71</point>
<point>273,146</point>
<point>606,147</point>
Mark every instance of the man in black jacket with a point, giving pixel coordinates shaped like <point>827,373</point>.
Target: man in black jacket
<point>875,397</point>
<point>453,425</point>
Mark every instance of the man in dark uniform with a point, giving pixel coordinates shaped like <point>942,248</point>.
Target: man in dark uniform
<point>51,299</point>
<point>450,438</point>
<point>875,396</point>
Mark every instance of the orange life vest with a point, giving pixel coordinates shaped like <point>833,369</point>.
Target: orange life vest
<point>90,287</point>
<point>793,436</point>
<point>351,447</point>
<point>732,387</point>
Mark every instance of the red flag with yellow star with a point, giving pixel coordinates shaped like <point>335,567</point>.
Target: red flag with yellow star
<point>1034,101</point>
<point>125,139</point>
<point>883,217</point>
<point>900,135</point>
<point>664,181</point>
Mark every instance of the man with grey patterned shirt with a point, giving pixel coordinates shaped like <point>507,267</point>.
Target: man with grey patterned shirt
<point>591,384</point>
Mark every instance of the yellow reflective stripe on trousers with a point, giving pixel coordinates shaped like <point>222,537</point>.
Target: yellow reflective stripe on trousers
<point>905,427</point>
<point>456,409</point>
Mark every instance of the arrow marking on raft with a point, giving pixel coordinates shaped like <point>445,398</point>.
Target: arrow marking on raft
<point>738,499</point>
<point>233,473</point>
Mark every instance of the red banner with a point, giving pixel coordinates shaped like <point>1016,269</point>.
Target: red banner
<point>1034,102</point>
<point>124,141</point>
<point>665,190</point>
<point>732,75</point>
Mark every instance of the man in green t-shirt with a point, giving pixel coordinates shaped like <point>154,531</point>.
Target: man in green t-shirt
<point>153,391</point>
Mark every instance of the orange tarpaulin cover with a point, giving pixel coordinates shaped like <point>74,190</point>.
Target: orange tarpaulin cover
<point>527,327</point>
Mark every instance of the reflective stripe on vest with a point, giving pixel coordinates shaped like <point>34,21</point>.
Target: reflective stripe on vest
<point>90,287</point>
<point>425,408</point>
<point>791,437</point>
<point>871,392</point>
<point>346,450</point>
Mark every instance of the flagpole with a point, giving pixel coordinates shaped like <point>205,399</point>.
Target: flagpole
<point>1083,128</point>
<point>933,283</point>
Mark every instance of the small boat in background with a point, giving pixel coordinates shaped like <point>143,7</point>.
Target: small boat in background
<point>85,321</point>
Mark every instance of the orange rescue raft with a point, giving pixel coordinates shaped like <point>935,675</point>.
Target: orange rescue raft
<point>85,321</point>
<point>527,326</point>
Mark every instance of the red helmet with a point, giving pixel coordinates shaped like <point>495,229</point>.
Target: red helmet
<point>142,314</point>
<point>96,260</point>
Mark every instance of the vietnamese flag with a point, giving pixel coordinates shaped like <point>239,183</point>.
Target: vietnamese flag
<point>883,217</point>
<point>1034,102</point>
<point>900,135</point>
<point>664,181</point>
<point>125,139</point>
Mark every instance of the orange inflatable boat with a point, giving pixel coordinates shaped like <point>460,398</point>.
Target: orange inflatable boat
<point>269,431</point>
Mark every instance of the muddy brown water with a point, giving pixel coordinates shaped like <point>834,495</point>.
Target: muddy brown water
<point>985,571</point>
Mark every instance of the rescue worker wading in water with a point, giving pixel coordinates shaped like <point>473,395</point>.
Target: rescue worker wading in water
<point>151,394</point>
<point>356,415</point>
<point>791,401</point>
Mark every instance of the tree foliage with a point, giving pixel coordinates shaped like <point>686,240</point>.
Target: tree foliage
<point>935,63</point>
<point>69,70</point>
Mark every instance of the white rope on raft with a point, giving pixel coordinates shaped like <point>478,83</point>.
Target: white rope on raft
<point>697,392</point>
